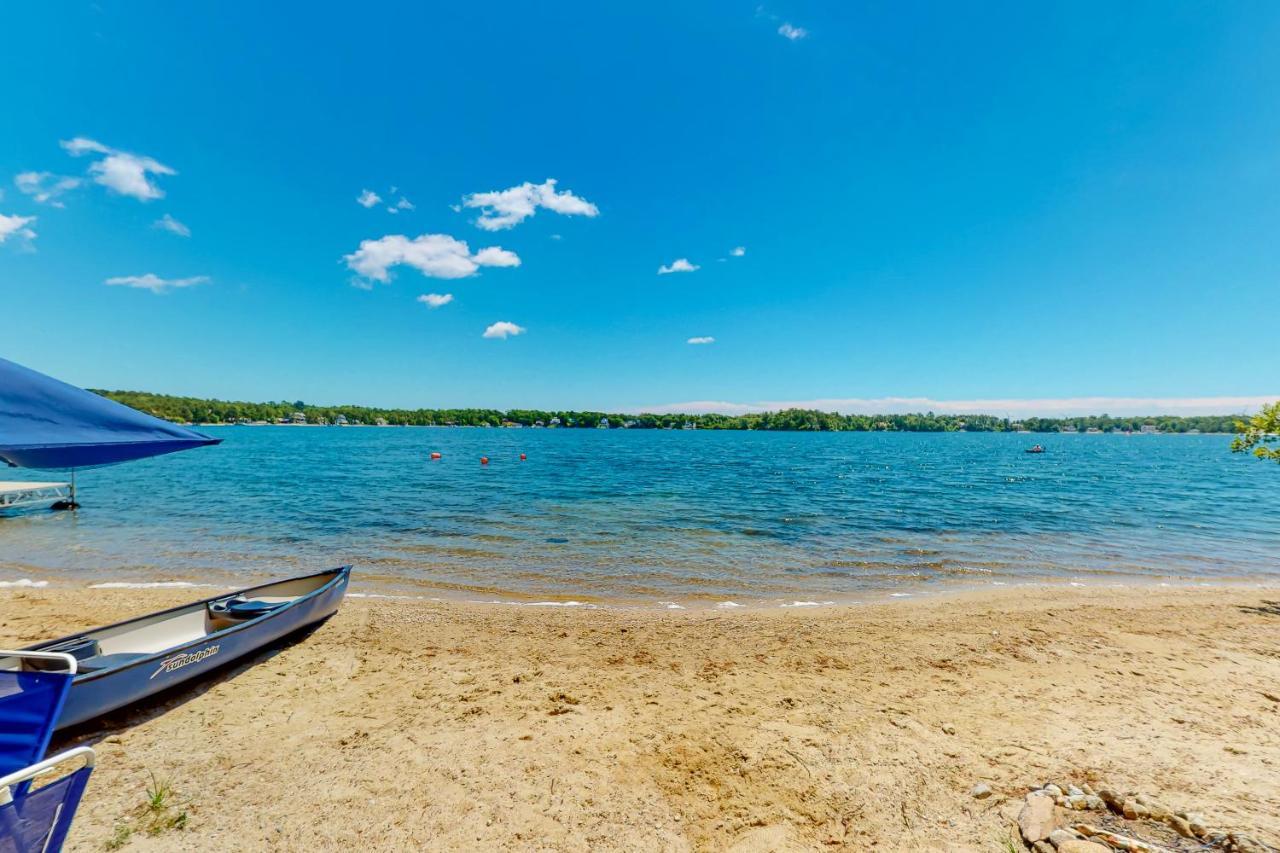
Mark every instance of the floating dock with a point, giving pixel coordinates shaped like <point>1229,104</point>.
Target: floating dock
<point>18,495</point>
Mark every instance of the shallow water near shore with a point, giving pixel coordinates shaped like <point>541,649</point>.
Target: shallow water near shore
<point>669,518</point>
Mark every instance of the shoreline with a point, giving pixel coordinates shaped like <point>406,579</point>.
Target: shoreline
<point>403,724</point>
<point>215,425</point>
<point>382,588</point>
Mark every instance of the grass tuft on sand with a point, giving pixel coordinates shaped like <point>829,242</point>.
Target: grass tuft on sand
<point>157,814</point>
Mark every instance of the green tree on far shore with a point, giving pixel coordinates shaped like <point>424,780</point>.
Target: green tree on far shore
<point>1261,431</point>
<point>197,410</point>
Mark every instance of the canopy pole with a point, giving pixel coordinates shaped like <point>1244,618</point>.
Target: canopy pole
<point>70,501</point>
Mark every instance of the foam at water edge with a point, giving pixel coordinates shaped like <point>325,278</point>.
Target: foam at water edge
<point>807,604</point>
<point>671,605</point>
<point>728,604</point>
<point>26,583</point>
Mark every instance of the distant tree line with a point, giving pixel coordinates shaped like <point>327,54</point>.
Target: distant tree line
<point>195,410</point>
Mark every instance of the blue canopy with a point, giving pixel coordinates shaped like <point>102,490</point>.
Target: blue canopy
<point>45,423</point>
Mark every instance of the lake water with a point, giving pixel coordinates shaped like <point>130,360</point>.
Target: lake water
<point>656,517</point>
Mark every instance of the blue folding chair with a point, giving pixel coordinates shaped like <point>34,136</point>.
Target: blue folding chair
<point>37,819</point>
<point>33,688</point>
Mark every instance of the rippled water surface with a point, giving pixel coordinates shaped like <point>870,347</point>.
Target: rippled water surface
<point>654,515</point>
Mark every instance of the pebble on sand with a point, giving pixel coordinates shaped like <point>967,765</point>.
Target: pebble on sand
<point>1037,818</point>
<point>1079,846</point>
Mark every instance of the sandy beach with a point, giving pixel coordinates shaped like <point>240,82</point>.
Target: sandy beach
<point>408,724</point>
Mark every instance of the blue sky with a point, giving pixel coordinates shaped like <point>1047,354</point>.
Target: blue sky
<point>1021,207</point>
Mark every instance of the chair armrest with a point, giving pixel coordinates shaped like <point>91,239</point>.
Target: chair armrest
<point>57,657</point>
<point>83,753</point>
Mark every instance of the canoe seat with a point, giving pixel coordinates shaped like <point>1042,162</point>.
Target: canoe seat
<point>241,609</point>
<point>98,662</point>
<point>233,611</point>
<point>252,609</point>
<point>80,648</point>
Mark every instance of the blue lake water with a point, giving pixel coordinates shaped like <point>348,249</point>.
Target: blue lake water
<point>656,516</point>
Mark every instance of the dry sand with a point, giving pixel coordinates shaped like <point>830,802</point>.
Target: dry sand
<point>402,725</point>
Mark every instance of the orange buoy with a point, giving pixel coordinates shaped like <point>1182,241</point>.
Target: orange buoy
<point>484,460</point>
<point>523,457</point>
<point>435,455</point>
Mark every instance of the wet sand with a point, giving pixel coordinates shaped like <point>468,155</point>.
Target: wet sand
<point>403,725</point>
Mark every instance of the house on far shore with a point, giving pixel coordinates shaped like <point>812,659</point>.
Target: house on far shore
<point>604,424</point>
<point>340,420</point>
<point>1150,429</point>
<point>1069,428</point>
<point>379,421</point>
<point>297,418</point>
<point>555,422</point>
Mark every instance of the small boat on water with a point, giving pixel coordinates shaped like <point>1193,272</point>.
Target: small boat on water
<point>1035,448</point>
<point>120,664</point>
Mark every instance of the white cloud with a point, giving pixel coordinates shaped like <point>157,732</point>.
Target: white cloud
<point>1011,407</point>
<point>16,226</point>
<point>502,329</point>
<point>678,265</point>
<point>435,300</point>
<point>368,198</point>
<point>792,33</point>
<point>738,251</point>
<point>433,255</point>
<point>173,226</point>
<point>405,204</point>
<point>155,283</point>
<point>45,187</point>
<point>707,339</point>
<point>508,208</point>
<point>494,256</point>
<point>121,171</point>
<point>80,145</point>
